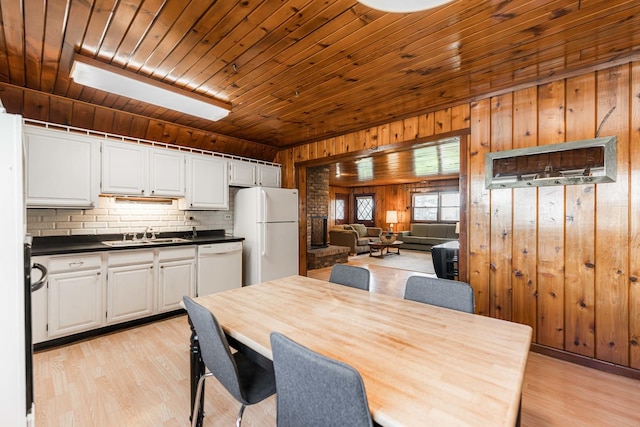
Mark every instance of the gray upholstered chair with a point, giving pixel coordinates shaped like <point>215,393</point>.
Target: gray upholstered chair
<point>247,382</point>
<point>350,275</point>
<point>314,390</point>
<point>441,292</point>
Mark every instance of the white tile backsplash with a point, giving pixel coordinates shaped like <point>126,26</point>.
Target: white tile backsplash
<point>113,216</point>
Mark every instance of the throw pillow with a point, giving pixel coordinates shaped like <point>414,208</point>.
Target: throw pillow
<point>361,229</point>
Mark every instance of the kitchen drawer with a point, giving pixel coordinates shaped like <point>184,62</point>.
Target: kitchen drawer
<point>130,257</point>
<point>168,254</point>
<point>74,263</point>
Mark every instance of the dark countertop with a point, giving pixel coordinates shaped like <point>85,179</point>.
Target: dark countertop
<point>58,245</point>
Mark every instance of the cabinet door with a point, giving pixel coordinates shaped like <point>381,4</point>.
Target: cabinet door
<point>166,173</point>
<point>124,169</point>
<point>242,174</point>
<point>62,169</point>
<point>75,302</point>
<point>268,176</point>
<point>176,278</point>
<point>129,292</point>
<point>207,185</point>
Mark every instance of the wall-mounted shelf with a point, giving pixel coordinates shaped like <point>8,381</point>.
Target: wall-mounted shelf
<point>576,162</point>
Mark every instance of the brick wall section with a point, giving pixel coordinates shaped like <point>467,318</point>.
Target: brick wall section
<point>113,217</point>
<point>326,257</point>
<point>317,195</point>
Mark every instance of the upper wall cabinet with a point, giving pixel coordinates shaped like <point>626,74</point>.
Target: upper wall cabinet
<point>207,184</point>
<point>268,176</point>
<point>137,170</point>
<point>247,174</point>
<point>577,162</point>
<point>62,169</point>
<point>166,172</point>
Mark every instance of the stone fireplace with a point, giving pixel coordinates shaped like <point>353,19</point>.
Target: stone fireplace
<point>319,253</point>
<point>319,232</point>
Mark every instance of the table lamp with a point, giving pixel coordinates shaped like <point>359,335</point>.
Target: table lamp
<point>392,218</point>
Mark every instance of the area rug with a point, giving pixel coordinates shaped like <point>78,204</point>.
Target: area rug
<point>407,260</point>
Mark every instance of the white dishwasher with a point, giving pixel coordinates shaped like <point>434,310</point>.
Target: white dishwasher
<point>219,267</point>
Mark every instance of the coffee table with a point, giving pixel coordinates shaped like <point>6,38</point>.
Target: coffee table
<point>379,249</point>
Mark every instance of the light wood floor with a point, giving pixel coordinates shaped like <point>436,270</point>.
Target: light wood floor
<point>139,377</point>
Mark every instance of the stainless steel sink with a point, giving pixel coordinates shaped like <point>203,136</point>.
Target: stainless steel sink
<point>145,242</point>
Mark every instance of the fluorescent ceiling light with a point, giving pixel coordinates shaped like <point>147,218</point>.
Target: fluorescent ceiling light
<point>95,74</point>
<point>403,6</point>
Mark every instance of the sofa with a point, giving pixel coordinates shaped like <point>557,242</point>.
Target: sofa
<point>423,236</point>
<point>354,236</point>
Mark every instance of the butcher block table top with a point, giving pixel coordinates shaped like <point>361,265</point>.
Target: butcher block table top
<point>421,364</point>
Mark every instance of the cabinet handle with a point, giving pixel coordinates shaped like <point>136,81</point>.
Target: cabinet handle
<point>142,192</point>
<point>76,264</point>
<point>153,191</point>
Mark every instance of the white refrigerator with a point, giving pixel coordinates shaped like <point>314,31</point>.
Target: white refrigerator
<point>16,406</point>
<point>267,218</point>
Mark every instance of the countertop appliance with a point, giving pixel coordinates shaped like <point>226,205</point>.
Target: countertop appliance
<point>219,267</point>
<point>267,218</point>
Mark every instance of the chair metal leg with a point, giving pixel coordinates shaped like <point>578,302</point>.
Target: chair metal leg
<point>239,419</point>
<point>196,406</point>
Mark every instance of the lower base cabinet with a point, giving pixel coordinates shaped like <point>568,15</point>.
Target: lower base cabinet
<point>176,277</point>
<point>75,295</point>
<point>129,285</point>
<point>92,290</point>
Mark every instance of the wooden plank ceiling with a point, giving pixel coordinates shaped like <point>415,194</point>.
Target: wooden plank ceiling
<point>298,70</point>
<point>422,162</point>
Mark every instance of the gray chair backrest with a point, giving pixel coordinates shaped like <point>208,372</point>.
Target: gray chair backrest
<point>316,391</point>
<point>350,275</point>
<point>441,292</point>
<point>214,347</point>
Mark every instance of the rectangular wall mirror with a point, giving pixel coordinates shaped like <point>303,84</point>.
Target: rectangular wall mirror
<point>576,162</point>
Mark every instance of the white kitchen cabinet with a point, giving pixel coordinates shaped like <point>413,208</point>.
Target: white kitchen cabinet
<point>75,294</point>
<point>248,174</point>
<point>124,168</point>
<point>242,174</point>
<point>166,172</point>
<point>136,170</point>
<point>268,176</point>
<point>176,276</point>
<point>90,290</point>
<point>207,184</point>
<point>62,169</point>
<point>130,283</point>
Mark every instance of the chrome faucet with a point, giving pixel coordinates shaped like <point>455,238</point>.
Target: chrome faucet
<point>148,230</point>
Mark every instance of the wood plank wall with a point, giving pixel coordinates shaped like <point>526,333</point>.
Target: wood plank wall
<point>423,127</point>
<point>564,260</point>
<point>390,198</point>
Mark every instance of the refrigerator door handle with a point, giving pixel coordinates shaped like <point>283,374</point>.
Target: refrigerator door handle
<point>263,238</point>
<point>263,196</point>
<point>45,274</point>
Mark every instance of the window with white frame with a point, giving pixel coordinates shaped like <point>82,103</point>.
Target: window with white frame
<point>435,207</point>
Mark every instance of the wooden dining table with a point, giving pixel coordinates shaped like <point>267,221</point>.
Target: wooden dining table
<point>421,364</point>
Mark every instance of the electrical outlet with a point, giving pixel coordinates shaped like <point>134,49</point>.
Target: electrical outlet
<point>227,216</point>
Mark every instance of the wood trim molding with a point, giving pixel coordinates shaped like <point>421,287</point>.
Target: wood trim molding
<point>586,361</point>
